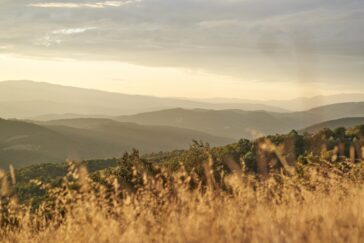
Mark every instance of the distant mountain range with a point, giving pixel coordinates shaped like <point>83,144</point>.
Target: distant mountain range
<point>23,143</point>
<point>306,103</point>
<point>44,101</point>
<point>298,104</point>
<point>27,99</point>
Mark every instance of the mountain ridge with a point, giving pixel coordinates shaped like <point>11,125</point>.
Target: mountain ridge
<point>250,124</point>
<point>27,99</point>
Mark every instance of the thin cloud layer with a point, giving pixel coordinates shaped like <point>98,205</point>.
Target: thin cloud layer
<point>104,4</point>
<point>72,31</point>
<point>262,40</point>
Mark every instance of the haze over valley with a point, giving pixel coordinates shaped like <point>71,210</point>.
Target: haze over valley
<point>52,123</point>
<point>181,121</point>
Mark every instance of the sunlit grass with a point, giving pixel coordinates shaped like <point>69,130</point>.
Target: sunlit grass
<point>319,202</point>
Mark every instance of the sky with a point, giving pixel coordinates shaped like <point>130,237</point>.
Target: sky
<point>248,49</point>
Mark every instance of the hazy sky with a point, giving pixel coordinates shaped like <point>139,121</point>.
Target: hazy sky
<point>255,49</point>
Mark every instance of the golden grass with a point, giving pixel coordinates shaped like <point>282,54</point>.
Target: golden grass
<point>318,204</point>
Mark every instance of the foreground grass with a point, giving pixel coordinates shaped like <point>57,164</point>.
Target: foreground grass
<point>319,203</point>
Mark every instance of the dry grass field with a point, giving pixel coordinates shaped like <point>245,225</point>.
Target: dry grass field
<point>318,203</point>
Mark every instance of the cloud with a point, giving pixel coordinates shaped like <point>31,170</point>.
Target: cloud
<point>273,40</point>
<point>72,31</point>
<point>47,41</point>
<point>104,4</point>
<point>5,47</point>
<point>55,37</point>
<point>219,23</point>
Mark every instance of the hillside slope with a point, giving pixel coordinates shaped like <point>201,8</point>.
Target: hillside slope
<point>23,143</point>
<point>344,122</point>
<point>228,123</point>
<point>130,135</point>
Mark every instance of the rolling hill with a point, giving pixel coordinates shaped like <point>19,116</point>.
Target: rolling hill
<point>306,103</point>
<point>79,123</point>
<point>250,124</point>
<point>298,104</point>
<point>228,123</point>
<point>23,143</point>
<point>343,122</point>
